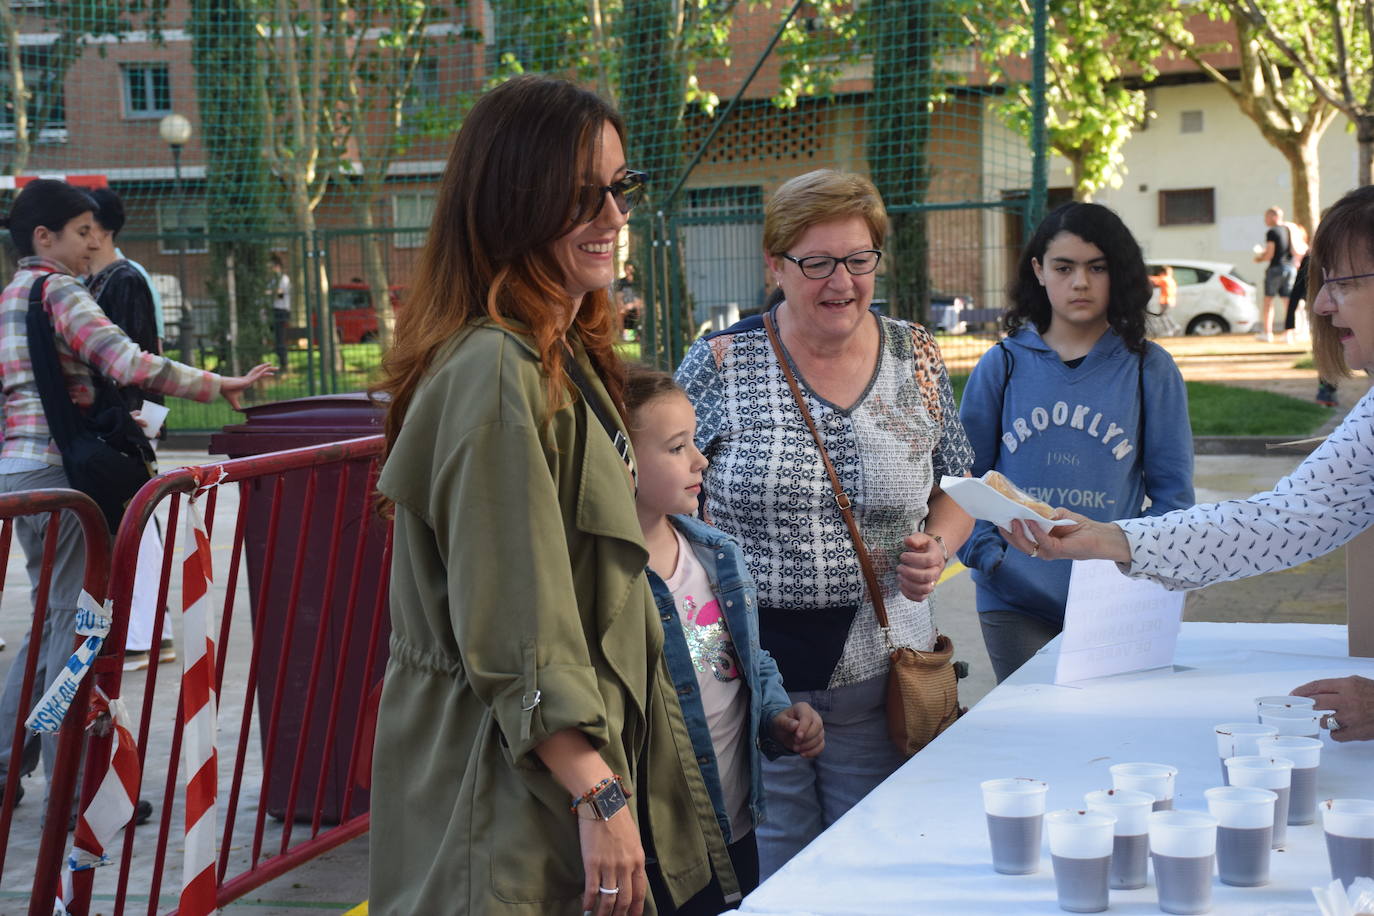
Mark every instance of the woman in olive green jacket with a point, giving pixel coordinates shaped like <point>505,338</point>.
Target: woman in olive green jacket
<point>526,694</point>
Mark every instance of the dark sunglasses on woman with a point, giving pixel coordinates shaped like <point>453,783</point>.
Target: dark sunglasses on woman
<point>627,193</point>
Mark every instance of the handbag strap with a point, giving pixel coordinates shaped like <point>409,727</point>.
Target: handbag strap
<point>618,438</point>
<point>62,415</point>
<point>841,497</point>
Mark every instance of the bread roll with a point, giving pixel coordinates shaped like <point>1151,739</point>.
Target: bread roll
<point>999,482</point>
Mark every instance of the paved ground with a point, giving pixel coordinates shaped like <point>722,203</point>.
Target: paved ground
<point>338,881</point>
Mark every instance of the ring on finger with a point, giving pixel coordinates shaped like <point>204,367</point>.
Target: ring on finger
<point>1330,723</point>
<point>1035,551</point>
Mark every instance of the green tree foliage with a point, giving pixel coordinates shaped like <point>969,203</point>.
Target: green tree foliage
<point>238,187</point>
<point>1331,43</point>
<point>1097,52</point>
<point>33,82</point>
<point>903,40</point>
<point>1290,114</point>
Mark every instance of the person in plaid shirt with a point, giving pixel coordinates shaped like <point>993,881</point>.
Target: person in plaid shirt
<point>52,226</point>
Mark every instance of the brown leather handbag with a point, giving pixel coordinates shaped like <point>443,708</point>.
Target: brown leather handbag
<point>922,687</point>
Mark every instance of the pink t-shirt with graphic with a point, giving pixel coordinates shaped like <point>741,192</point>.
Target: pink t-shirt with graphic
<point>724,695</point>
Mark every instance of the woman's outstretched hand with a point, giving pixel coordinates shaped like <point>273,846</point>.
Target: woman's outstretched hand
<point>231,386</point>
<point>1083,540</point>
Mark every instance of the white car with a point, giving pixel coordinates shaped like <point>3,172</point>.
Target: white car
<point>1212,299</point>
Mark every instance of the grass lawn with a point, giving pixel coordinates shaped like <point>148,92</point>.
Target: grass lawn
<point>1221,410</point>
<point>1215,410</point>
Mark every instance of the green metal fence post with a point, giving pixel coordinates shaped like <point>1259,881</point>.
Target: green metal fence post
<point>1035,205</point>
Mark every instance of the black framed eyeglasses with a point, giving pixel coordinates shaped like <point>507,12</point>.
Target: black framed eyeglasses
<point>1326,279</point>
<point>819,266</point>
<point>627,193</point>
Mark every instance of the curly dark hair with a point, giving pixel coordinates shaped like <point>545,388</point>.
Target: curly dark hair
<point>1130,286</point>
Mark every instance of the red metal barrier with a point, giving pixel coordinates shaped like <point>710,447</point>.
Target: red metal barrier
<point>52,503</point>
<point>298,659</point>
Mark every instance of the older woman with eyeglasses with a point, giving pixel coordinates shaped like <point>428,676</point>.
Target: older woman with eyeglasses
<point>883,408</point>
<point>1324,503</point>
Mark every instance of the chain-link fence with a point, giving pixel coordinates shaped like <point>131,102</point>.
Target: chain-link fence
<point>313,133</point>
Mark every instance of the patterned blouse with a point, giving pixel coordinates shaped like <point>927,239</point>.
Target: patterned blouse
<point>1324,503</point>
<point>767,487</point>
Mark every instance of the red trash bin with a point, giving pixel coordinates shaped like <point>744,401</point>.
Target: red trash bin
<point>276,427</point>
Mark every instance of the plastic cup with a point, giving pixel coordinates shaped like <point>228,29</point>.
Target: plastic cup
<point>1081,850</point>
<point>1306,754</point>
<point>1131,842</point>
<point>1237,739</point>
<point>1272,773</point>
<point>1349,826</point>
<point>1281,702</point>
<point>1306,723</point>
<point>1155,778</point>
<point>1015,810</point>
<point>1245,831</point>
<point>1183,847</point>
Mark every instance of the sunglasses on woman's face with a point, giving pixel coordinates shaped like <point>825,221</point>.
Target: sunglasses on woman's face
<point>627,193</point>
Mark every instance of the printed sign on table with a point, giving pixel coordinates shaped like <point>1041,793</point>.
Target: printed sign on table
<point>1114,624</point>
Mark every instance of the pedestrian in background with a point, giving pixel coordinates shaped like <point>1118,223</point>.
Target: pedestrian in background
<point>53,229</point>
<point>1280,273</point>
<point>279,288</point>
<point>126,299</point>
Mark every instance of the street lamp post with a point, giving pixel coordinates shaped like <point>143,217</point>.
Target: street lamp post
<point>175,131</point>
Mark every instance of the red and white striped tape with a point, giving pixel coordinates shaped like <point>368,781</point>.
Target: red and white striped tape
<point>198,707</point>
<point>113,804</point>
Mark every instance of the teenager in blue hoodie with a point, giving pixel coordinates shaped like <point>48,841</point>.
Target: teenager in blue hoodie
<point>1077,408</point>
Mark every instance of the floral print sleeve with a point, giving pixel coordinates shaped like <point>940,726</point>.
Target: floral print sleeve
<point>953,454</point>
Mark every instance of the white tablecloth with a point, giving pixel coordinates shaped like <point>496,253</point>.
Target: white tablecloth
<point>919,844</point>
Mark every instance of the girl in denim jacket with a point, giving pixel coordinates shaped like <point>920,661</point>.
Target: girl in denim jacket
<point>731,693</point>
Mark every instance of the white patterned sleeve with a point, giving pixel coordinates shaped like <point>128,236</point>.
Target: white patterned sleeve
<point>1324,503</point>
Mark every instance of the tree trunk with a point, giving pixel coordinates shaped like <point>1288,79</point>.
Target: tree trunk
<point>374,265</point>
<point>1364,132</point>
<point>1082,191</point>
<point>19,92</point>
<point>1303,169</point>
<point>898,118</point>
<point>237,187</point>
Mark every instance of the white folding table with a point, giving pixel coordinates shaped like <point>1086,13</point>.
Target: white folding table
<point>918,843</point>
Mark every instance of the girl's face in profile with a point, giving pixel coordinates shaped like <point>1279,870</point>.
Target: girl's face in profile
<point>669,464</point>
<point>1347,298</point>
<point>1074,274</point>
<point>72,245</point>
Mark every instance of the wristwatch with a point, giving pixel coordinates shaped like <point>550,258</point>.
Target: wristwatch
<point>604,799</point>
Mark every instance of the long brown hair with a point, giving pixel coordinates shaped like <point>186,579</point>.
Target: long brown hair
<point>1344,230</point>
<point>511,185</point>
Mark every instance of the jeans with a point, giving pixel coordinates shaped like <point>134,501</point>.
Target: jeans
<point>1012,638</point>
<point>803,797</point>
<point>59,628</point>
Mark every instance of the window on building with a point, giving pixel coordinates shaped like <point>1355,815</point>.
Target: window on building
<point>411,210</point>
<point>1187,207</point>
<point>1190,122</point>
<point>424,86</point>
<point>182,216</point>
<point>147,91</point>
<point>47,108</point>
